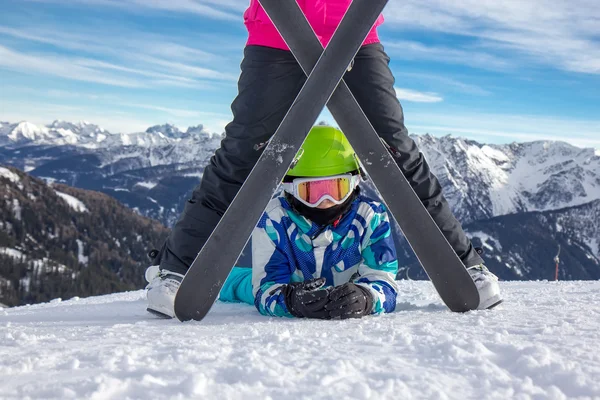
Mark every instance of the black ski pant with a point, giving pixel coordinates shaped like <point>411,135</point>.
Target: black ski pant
<point>269,82</point>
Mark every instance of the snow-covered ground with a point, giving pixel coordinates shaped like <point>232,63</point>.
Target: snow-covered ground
<point>543,343</point>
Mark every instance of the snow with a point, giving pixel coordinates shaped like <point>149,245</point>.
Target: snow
<point>194,174</point>
<point>73,202</point>
<point>25,283</point>
<point>27,130</point>
<point>14,253</point>
<point>147,185</point>
<point>16,206</point>
<point>485,238</point>
<point>80,257</point>
<point>65,132</point>
<point>541,344</point>
<point>494,154</point>
<point>126,140</point>
<point>8,174</point>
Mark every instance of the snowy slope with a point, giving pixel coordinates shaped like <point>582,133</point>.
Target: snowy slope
<point>542,344</point>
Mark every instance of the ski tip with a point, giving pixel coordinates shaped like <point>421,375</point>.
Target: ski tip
<point>185,317</point>
<point>188,313</point>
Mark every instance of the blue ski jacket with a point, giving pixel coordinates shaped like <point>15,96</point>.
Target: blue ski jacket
<point>287,247</point>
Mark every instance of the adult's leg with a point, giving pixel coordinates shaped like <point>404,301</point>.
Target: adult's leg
<point>372,83</point>
<point>269,82</point>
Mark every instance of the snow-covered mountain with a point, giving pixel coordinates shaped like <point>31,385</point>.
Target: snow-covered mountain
<point>150,171</point>
<point>90,136</point>
<point>173,132</point>
<point>58,241</point>
<point>154,172</point>
<point>484,181</point>
<point>523,246</point>
<point>479,180</point>
<point>57,133</point>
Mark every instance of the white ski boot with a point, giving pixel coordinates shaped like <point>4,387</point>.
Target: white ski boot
<point>162,289</point>
<point>487,285</point>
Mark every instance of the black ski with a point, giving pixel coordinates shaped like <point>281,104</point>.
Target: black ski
<point>440,262</point>
<point>208,272</point>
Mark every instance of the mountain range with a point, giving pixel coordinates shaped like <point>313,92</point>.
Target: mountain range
<point>58,241</point>
<point>514,199</point>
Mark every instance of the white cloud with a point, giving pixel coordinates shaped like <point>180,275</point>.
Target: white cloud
<point>561,34</point>
<point>115,41</point>
<point>417,97</point>
<point>198,7</point>
<point>455,84</point>
<point>118,58</point>
<point>176,112</point>
<point>412,50</point>
<point>189,70</point>
<point>62,67</point>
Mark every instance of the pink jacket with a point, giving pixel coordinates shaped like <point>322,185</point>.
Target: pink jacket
<point>324,16</point>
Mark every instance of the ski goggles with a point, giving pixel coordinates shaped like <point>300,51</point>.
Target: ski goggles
<point>312,191</point>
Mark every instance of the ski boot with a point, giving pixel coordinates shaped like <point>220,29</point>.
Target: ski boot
<point>162,288</point>
<point>487,285</point>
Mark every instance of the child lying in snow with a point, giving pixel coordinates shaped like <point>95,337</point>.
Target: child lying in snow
<point>321,250</point>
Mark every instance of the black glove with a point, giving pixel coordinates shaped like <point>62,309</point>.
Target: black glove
<point>349,301</point>
<point>307,299</point>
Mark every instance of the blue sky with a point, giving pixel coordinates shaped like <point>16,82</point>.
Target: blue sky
<point>493,71</point>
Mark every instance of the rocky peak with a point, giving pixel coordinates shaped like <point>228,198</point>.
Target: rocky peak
<point>168,130</point>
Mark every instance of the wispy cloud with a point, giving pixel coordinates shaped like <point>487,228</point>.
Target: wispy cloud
<point>215,10</point>
<point>176,112</point>
<point>454,84</point>
<point>61,67</point>
<point>139,60</point>
<point>189,70</point>
<point>417,97</point>
<point>114,41</point>
<point>412,50</point>
<point>559,34</point>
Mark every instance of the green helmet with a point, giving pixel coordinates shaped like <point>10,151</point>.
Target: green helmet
<point>325,152</point>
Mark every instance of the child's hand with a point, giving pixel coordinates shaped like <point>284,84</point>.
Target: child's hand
<point>349,301</point>
<point>307,299</point>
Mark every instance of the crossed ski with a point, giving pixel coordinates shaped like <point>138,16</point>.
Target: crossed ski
<point>214,262</point>
<point>325,69</point>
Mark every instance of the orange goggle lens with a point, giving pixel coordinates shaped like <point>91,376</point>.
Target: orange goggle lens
<point>313,191</point>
